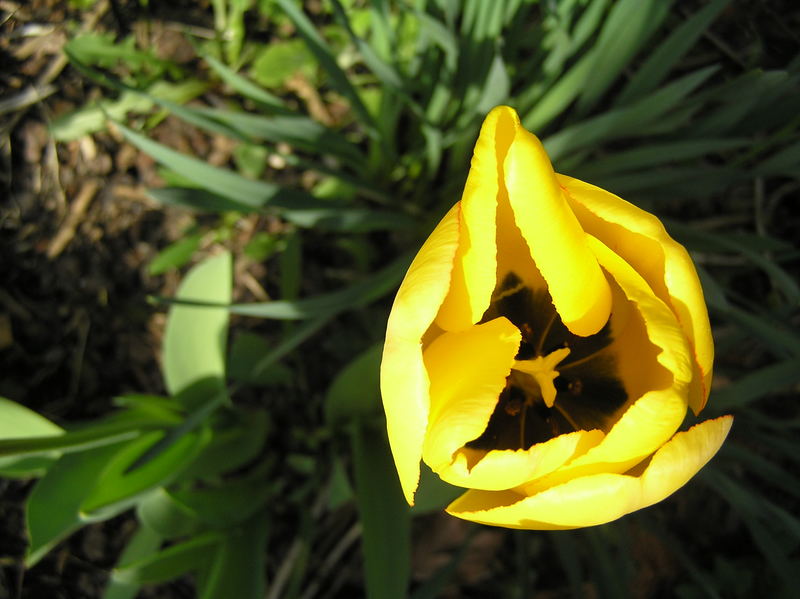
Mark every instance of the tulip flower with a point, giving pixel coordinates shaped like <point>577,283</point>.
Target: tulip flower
<point>544,346</point>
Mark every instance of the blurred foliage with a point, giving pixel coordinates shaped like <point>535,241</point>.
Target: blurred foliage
<point>233,475</point>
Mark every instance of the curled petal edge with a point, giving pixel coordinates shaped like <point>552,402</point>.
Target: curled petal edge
<point>404,380</point>
<point>599,498</point>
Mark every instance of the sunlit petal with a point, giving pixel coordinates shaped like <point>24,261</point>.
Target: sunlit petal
<point>404,380</point>
<point>641,240</point>
<point>467,371</point>
<point>599,498</point>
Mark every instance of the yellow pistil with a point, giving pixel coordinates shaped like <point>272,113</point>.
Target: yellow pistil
<point>543,370</point>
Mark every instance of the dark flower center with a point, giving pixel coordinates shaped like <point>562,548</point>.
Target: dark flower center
<point>587,392</point>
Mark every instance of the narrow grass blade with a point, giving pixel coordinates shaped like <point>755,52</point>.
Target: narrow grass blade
<point>384,516</point>
<point>327,61</point>
<point>627,121</point>
<point>658,65</point>
<point>359,294</point>
<point>218,180</point>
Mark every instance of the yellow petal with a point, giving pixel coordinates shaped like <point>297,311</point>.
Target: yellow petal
<point>404,381</point>
<point>585,501</point>
<point>508,468</point>
<point>679,460</point>
<point>599,498</point>
<point>467,371</point>
<point>641,240</point>
<point>475,270</point>
<point>554,236</point>
<point>655,416</point>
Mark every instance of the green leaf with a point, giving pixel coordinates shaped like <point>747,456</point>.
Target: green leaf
<point>70,480</point>
<point>225,505</point>
<point>298,131</point>
<point>175,255</point>
<point>169,563</point>
<point>277,61</point>
<point>92,118</point>
<point>755,385</point>
<point>118,485</point>
<point>627,121</point>
<point>433,494</point>
<point>317,45</point>
<point>226,183</point>
<point>658,65</point>
<point>355,392</point>
<point>496,88</point>
<point>143,543</point>
<point>628,26</point>
<point>197,199</point>
<point>355,296</point>
<point>18,421</point>
<point>158,511</point>
<point>783,162</point>
<point>246,352</point>
<point>385,517</point>
<point>237,569</point>
<point>196,337</point>
<point>656,154</point>
<point>246,87</point>
<point>117,427</point>
<point>238,437</point>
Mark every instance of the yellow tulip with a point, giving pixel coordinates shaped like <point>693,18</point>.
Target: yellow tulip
<point>544,347</point>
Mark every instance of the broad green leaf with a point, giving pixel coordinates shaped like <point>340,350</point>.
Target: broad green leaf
<point>385,517</point>
<point>119,485</point>
<point>171,562</point>
<point>118,426</point>
<point>70,480</point>
<point>291,339</point>
<point>237,569</point>
<point>18,421</point>
<point>143,543</point>
<point>105,50</point>
<point>200,399</point>
<point>175,255</point>
<point>225,505</point>
<point>276,62</point>
<point>159,512</point>
<point>355,393</point>
<point>238,437</point>
<point>433,494</point>
<point>196,337</point>
<point>247,350</point>
<point>92,118</point>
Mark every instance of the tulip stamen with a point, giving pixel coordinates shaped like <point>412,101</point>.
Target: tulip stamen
<point>545,333</point>
<point>559,382</point>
